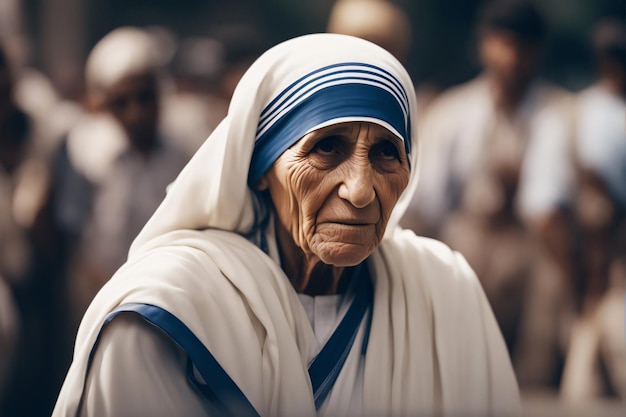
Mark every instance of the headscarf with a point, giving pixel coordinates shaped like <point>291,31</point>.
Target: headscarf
<point>274,105</point>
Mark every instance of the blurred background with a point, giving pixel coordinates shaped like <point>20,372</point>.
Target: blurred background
<point>56,35</point>
<point>521,115</point>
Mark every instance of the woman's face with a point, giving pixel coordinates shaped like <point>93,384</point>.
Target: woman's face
<point>334,190</point>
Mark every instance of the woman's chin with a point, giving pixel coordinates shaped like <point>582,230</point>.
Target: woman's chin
<point>344,255</point>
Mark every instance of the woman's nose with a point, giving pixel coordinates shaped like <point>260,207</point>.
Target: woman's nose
<point>357,187</point>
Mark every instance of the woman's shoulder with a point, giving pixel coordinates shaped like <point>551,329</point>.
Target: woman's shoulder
<point>183,251</point>
<point>191,274</point>
<point>182,268</point>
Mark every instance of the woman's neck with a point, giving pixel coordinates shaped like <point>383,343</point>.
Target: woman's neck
<point>307,273</point>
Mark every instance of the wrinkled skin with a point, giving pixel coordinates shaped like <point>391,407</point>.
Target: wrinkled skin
<point>333,192</point>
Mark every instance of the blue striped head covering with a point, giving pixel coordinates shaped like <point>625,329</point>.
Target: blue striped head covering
<point>341,92</point>
<point>295,87</point>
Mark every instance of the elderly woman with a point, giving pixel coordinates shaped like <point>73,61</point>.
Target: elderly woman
<point>273,280</point>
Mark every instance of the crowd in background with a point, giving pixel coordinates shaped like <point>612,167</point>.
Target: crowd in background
<point>527,179</point>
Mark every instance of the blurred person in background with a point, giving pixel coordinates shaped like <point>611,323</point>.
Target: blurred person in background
<point>24,179</point>
<point>30,266</point>
<point>378,21</point>
<point>596,359</point>
<point>51,113</point>
<point>498,146</point>
<point>113,169</point>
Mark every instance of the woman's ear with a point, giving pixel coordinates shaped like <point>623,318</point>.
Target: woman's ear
<point>263,183</point>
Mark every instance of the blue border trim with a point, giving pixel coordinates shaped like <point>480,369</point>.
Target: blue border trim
<point>327,365</point>
<point>226,394</point>
<point>220,390</point>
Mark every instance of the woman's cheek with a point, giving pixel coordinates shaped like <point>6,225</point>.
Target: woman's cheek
<point>389,192</point>
<point>309,209</point>
<point>302,225</point>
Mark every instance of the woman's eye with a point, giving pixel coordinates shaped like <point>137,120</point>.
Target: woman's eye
<point>387,150</point>
<point>328,145</point>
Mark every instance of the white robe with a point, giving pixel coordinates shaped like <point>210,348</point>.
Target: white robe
<point>434,344</point>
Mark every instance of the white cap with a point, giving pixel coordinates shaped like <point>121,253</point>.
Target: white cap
<point>123,52</point>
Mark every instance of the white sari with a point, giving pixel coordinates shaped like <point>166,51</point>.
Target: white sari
<point>434,346</point>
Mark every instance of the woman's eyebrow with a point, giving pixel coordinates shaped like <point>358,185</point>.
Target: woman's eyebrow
<point>387,135</point>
